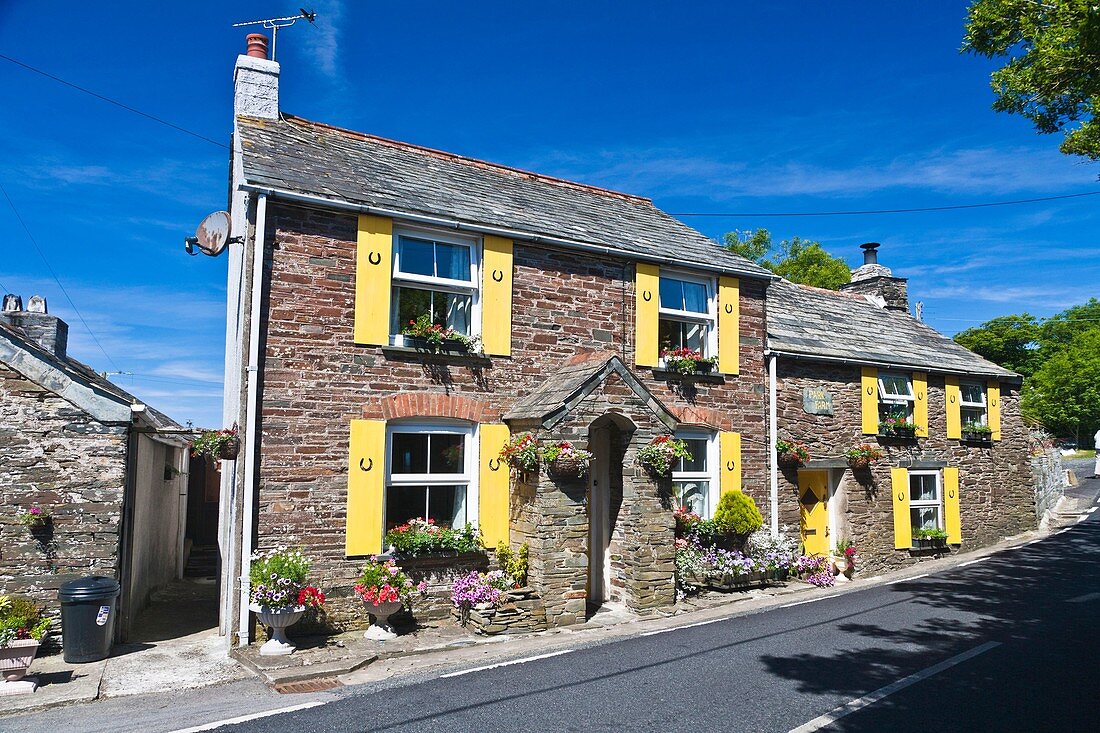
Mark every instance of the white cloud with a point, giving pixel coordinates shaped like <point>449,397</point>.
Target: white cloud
<point>322,39</point>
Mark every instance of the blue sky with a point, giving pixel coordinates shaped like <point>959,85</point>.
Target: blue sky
<point>727,107</point>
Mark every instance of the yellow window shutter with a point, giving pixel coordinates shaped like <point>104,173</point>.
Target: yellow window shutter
<point>493,488</point>
<point>729,325</point>
<point>869,393</point>
<point>729,453</point>
<point>646,294</point>
<point>953,397</point>
<point>952,522</point>
<point>496,297</point>
<point>920,403</point>
<point>366,487</point>
<point>373,269</point>
<point>903,523</point>
<point>993,405</point>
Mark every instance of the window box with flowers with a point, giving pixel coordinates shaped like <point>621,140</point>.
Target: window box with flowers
<point>563,460</point>
<point>929,539</point>
<point>862,456</point>
<point>279,595</point>
<point>217,444</point>
<point>521,453</point>
<point>791,454</point>
<point>424,335</point>
<point>421,537</point>
<point>662,452</point>
<point>976,432</point>
<point>385,589</point>
<point>687,361</point>
<point>897,427</point>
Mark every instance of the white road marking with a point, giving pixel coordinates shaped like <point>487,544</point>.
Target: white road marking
<point>1032,542</point>
<point>685,626</point>
<point>506,664</point>
<point>1082,599</point>
<point>906,580</point>
<point>861,702</point>
<point>253,716</point>
<point>812,600</point>
<point>973,562</point>
<point>1091,509</point>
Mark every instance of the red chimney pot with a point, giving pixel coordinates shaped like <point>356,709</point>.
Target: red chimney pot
<point>257,45</point>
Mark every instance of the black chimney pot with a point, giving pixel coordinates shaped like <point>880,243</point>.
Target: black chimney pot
<point>870,253</point>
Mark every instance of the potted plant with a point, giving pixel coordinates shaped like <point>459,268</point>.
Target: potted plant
<point>977,432</point>
<point>219,444</point>
<point>564,460</point>
<point>662,452</point>
<point>22,631</point>
<point>418,537</point>
<point>480,590</point>
<point>897,427</point>
<point>34,518</point>
<point>929,538</point>
<point>791,453</point>
<point>385,590</point>
<point>687,361</point>
<point>844,559</point>
<point>862,456</point>
<point>735,518</point>
<point>280,595</point>
<point>521,452</point>
<point>423,334</point>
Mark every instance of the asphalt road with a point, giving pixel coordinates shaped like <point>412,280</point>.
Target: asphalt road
<point>1006,643</point>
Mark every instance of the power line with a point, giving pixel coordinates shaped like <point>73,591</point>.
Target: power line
<point>890,211</point>
<point>114,102</point>
<point>54,274</point>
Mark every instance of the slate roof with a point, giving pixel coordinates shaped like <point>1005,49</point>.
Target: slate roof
<point>562,390</point>
<point>299,156</point>
<point>83,374</point>
<point>811,322</point>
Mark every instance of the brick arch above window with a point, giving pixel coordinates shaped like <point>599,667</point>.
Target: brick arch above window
<point>428,404</point>
<point>691,415</point>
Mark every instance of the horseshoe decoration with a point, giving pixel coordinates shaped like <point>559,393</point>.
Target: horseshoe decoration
<point>498,276</point>
<point>901,496</point>
<point>494,464</point>
<point>993,402</point>
<point>870,390</point>
<point>729,307</point>
<point>950,493</point>
<point>952,399</point>
<point>369,466</point>
<point>647,296</point>
<point>375,258</point>
<point>730,465</point>
<point>920,395</point>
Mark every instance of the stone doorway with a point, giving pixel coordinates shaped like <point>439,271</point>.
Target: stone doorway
<point>607,439</point>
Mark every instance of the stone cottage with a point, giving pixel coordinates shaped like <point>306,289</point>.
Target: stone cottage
<point>844,365</point>
<point>110,471</point>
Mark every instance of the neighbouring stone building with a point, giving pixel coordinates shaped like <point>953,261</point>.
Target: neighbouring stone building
<point>342,238</point>
<point>108,470</point>
<point>847,362</point>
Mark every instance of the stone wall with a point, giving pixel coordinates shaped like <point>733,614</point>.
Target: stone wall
<point>1049,476</point>
<point>521,612</point>
<point>316,380</point>
<point>995,484</point>
<point>56,456</point>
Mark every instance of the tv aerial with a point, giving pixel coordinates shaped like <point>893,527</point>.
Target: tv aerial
<point>274,24</point>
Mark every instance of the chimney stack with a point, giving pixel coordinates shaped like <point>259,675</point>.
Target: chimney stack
<point>256,81</point>
<point>37,325</point>
<point>878,282</point>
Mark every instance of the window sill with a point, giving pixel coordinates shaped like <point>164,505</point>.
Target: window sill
<point>897,439</point>
<point>666,375</point>
<point>986,442</point>
<point>438,357</point>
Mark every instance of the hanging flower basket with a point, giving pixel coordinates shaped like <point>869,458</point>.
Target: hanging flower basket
<point>521,453</point>
<point>219,444</point>
<point>661,454</point>
<point>791,454</point>
<point>563,460</point>
<point>862,456</point>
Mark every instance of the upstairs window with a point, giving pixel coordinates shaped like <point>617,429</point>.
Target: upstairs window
<point>436,276</point>
<point>895,397</point>
<point>692,481</point>
<point>686,315</point>
<point>429,474</point>
<point>972,404</point>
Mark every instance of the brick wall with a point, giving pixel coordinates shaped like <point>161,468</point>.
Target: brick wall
<point>316,380</point>
<point>56,456</point>
<point>995,483</point>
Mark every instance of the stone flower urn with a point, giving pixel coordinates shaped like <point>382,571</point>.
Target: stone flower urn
<point>16,657</point>
<point>278,619</point>
<point>381,630</point>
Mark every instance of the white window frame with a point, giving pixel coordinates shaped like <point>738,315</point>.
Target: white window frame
<point>710,318</point>
<point>890,399</point>
<point>710,475</point>
<point>964,405</point>
<point>937,503</point>
<point>445,284</point>
<point>469,475</point>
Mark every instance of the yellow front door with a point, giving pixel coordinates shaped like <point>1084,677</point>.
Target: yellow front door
<point>813,489</point>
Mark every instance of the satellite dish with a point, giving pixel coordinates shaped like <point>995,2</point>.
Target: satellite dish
<point>212,234</point>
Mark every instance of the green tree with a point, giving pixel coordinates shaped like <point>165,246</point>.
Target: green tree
<point>799,260</point>
<point>1010,341</point>
<point>1052,49</point>
<point>1065,392</point>
<point>1059,330</point>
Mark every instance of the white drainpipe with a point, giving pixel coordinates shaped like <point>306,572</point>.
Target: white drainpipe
<point>249,441</point>
<point>773,435</point>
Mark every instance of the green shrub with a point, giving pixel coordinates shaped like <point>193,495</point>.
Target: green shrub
<point>513,563</point>
<point>20,618</point>
<point>737,514</point>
